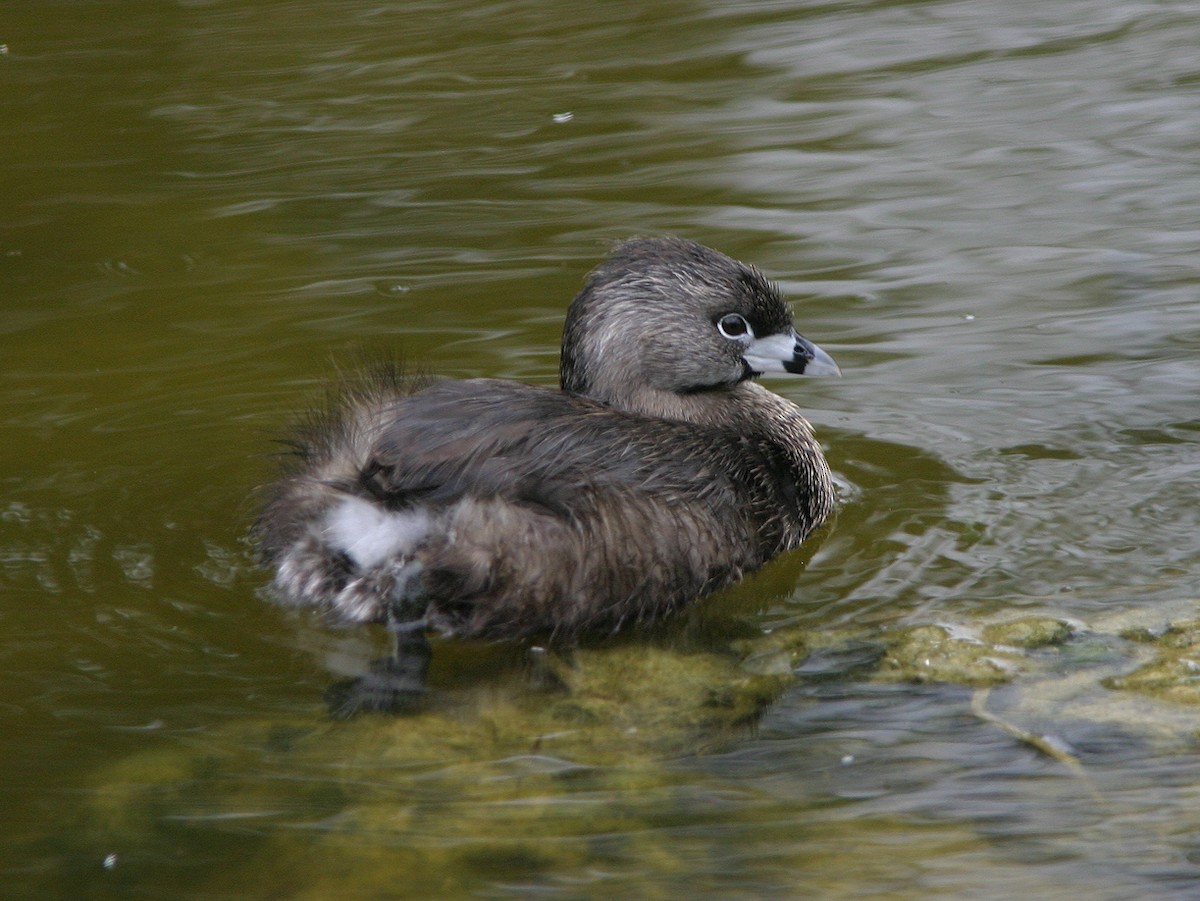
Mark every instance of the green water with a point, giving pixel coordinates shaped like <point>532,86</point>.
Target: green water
<point>986,212</point>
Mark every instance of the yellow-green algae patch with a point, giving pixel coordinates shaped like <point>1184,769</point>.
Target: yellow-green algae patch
<point>934,654</point>
<point>555,770</point>
<point>632,703</point>
<point>1174,672</point>
<point>562,767</point>
<point>1079,695</point>
<point>1028,632</point>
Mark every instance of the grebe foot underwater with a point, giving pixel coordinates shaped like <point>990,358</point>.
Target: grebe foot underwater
<point>489,509</point>
<point>393,684</point>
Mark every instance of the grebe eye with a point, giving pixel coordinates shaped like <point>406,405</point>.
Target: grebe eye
<point>733,325</point>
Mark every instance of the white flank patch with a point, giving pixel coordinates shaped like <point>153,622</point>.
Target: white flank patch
<point>371,535</point>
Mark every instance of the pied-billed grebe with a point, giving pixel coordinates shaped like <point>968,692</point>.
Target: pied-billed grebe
<point>493,509</point>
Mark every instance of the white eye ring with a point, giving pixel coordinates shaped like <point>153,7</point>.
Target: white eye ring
<point>735,327</point>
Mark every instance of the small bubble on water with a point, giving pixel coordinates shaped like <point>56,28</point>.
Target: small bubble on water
<point>391,289</point>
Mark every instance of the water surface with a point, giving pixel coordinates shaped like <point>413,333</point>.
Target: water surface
<point>986,212</point>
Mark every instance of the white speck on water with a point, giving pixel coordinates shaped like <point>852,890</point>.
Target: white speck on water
<point>110,861</point>
<point>563,117</point>
<point>392,289</point>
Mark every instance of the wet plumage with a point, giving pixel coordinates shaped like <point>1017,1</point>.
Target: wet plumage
<point>486,508</point>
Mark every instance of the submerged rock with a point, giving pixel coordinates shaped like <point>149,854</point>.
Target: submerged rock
<point>1174,672</point>
<point>633,703</point>
<point>934,654</point>
<point>533,764</point>
<point>1029,632</point>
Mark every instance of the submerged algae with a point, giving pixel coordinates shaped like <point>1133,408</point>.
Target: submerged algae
<point>586,708</point>
<point>360,810</point>
<point>1174,672</point>
<point>1029,632</point>
<point>935,654</point>
<point>567,766</point>
<point>554,771</point>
